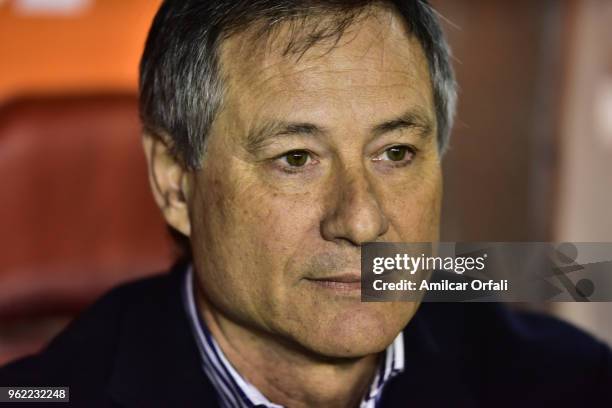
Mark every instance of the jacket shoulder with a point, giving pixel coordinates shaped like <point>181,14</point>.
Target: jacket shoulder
<point>84,350</point>
<point>502,349</point>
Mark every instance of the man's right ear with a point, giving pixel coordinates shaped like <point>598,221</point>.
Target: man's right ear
<point>168,179</point>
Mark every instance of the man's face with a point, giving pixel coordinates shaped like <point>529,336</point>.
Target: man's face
<point>308,159</point>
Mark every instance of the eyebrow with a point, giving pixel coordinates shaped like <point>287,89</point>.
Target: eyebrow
<point>412,119</point>
<point>259,136</point>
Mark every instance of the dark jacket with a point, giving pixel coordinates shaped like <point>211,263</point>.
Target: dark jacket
<point>134,348</point>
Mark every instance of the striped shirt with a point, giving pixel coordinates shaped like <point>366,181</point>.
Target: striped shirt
<point>235,391</point>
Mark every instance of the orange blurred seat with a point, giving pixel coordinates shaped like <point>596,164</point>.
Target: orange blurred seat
<point>76,215</point>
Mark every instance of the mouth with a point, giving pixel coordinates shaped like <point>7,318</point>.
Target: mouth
<point>346,282</point>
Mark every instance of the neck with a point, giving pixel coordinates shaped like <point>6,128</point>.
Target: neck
<point>285,373</point>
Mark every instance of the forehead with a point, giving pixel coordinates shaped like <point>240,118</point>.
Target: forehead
<point>374,69</point>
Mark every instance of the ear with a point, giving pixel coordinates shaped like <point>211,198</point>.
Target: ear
<point>169,182</point>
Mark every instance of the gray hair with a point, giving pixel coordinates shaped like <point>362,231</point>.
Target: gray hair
<point>180,84</point>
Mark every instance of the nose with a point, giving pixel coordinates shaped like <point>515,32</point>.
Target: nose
<point>354,213</point>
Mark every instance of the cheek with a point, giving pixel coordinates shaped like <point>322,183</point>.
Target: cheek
<point>252,230</point>
<point>255,237</point>
<point>415,212</point>
<point>287,227</point>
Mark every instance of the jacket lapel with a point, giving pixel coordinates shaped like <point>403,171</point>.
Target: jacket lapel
<point>431,377</point>
<point>157,363</point>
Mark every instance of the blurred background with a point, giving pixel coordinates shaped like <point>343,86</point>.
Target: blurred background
<point>530,157</point>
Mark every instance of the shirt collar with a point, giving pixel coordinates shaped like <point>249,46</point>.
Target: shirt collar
<point>236,391</point>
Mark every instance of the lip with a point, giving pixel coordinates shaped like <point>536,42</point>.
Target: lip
<point>339,282</point>
<point>344,278</point>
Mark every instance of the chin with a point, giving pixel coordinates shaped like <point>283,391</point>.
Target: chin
<point>358,333</point>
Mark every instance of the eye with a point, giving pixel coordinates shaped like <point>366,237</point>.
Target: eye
<point>396,153</point>
<point>296,158</point>
<point>295,161</point>
<point>399,155</point>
